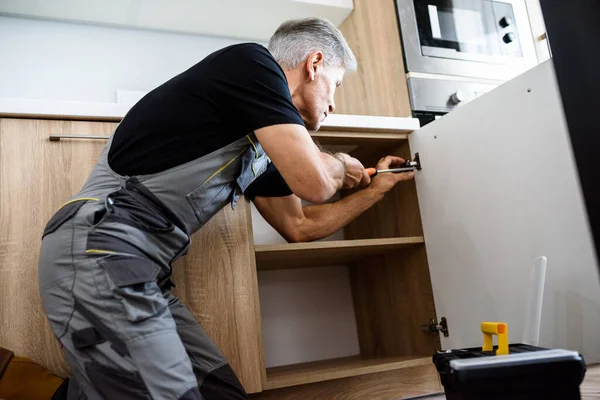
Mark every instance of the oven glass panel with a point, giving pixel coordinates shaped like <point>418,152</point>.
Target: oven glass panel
<point>467,29</point>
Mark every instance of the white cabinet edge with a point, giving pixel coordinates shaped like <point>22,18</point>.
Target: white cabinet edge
<point>51,108</point>
<point>12,107</point>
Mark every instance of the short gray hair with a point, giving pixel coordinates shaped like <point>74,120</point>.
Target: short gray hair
<point>295,39</point>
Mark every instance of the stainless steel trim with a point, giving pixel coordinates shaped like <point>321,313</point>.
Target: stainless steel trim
<point>56,138</point>
<point>455,55</point>
<point>451,78</point>
<point>416,62</point>
<point>436,95</point>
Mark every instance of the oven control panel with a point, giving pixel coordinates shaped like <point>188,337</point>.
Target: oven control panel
<point>442,96</point>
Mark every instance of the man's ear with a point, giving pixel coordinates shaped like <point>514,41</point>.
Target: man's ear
<point>314,64</point>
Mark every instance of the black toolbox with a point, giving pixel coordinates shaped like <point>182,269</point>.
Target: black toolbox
<point>526,373</point>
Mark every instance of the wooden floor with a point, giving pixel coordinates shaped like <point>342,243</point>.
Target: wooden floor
<point>590,388</point>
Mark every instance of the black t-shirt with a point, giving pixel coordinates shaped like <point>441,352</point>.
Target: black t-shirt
<point>223,98</point>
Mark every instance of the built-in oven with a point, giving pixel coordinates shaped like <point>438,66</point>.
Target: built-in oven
<point>456,50</point>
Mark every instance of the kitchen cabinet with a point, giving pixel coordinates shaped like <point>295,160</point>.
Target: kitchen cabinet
<point>498,187</point>
<point>217,280</point>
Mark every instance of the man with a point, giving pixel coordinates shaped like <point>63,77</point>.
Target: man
<point>235,123</point>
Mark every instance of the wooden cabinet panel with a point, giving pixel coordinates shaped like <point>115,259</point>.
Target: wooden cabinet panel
<point>379,85</point>
<point>36,177</point>
<point>392,298</point>
<point>392,292</point>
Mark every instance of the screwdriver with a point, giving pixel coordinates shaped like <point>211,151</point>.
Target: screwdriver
<point>408,166</point>
<point>374,172</point>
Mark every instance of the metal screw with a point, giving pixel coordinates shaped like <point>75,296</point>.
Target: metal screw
<point>435,137</point>
<point>528,90</point>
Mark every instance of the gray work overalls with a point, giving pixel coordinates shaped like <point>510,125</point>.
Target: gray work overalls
<point>104,273</point>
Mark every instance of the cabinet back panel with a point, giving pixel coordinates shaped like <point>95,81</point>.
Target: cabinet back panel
<point>392,298</point>
<point>307,315</point>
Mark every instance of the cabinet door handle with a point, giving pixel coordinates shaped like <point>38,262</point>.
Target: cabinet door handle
<point>56,138</point>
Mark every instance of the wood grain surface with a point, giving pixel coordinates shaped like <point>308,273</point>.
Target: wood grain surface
<point>36,177</point>
<point>392,292</point>
<point>388,385</point>
<point>335,252</point>
<point>590,388</point>
<point>392,298</point>
<point>398,213</point>
<point>379,86</point>
<point>326,370</point>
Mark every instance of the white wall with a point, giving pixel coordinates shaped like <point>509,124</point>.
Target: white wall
<point>66,61</point>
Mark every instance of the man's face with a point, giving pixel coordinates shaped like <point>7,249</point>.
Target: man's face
<point>315,97</point>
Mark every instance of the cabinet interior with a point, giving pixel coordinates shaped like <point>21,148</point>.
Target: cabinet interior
<point>383,254</point>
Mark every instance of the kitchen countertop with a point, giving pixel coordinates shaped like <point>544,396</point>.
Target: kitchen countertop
<point>57,109</point>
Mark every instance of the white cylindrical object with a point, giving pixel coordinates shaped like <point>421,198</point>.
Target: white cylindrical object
<point>533,315</point>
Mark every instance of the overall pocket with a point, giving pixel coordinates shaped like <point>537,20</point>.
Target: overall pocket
<point>64,213</point>
<point>127,205</point>
<point>208,199</point>
<point>135,286</point>
<point>216,191</point>
<point>254,164</point>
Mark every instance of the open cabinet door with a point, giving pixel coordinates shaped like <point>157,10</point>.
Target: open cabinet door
<point>499,187</point>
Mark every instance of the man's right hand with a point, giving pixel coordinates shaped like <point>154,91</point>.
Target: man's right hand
<point>383,183</point>
<point>355,174</point>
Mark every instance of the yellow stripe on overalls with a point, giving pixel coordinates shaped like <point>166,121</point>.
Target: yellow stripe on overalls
<point>255,154</point>
<point>253,145</point>
<point>100,251</point>
<point>223,167</point>
<point>79,199</point>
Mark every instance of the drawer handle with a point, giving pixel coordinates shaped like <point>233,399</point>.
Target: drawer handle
<point>56,138</point>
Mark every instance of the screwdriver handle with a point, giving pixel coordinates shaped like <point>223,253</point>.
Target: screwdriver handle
<point>372,172</point>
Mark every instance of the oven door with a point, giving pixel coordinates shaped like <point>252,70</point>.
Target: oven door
<point>474,38</point>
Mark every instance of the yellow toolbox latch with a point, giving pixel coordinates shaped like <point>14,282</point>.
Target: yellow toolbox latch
<point>499,329</point>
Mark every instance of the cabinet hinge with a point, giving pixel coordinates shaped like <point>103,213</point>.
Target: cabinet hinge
<point>433,327</point>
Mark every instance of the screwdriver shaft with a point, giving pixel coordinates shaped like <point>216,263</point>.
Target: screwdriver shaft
<point>396,170</point>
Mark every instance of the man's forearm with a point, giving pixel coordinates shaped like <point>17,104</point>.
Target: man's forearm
<point>336,169</point>
<point>324,219</point>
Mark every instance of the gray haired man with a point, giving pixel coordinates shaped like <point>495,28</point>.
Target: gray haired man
<point>235,123</point>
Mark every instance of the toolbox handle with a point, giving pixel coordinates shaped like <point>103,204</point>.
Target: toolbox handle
<point>495,328</point>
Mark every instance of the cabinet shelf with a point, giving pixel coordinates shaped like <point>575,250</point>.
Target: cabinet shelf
<point>315,254</point>
<point>318,371</point>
